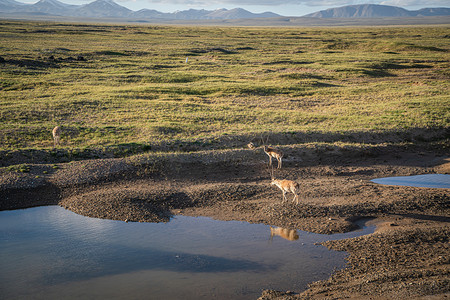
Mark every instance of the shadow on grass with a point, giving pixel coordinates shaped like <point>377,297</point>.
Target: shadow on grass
<point>370,144</point>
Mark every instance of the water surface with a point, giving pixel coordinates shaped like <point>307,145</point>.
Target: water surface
<point>427,180</point>
<point>52,253</point>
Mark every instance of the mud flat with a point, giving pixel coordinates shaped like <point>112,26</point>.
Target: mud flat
<point>407,256</point>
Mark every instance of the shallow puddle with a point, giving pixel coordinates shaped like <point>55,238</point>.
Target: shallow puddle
<point>52,253</point>
<point>427,180</point>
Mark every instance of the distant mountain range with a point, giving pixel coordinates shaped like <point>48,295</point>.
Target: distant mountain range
<point>377,11</point>
<point>110,9</point>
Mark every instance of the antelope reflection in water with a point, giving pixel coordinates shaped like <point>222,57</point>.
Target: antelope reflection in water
<point>285,233</point>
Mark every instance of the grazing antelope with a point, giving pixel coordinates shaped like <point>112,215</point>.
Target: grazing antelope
<point>287,186</point>
<point>56,135</point>
<point>288,234</point>
<point>273,152</point>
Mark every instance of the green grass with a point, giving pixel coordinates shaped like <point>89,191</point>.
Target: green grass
<point>110,85</point>
<point>22,168</point>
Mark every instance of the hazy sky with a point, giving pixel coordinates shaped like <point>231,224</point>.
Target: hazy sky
<point>282,7</point>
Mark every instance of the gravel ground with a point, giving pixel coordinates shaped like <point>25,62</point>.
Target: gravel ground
<point>406,257</point>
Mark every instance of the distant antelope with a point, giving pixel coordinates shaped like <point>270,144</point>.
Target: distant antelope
<point>56,135</point>
<point>287,186</point>
<point>251,146</point>
<point>273,152</point>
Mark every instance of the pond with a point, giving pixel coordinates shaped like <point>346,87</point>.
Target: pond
<point>426,180</point>
<point>52,253</point>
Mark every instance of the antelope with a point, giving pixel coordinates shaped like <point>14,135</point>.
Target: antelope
<point>56,135</point>
<point>287,186</point>
<point>273,152</point>
<point>251,146</point>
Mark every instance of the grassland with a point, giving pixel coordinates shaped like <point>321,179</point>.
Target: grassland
<point>127,85</point>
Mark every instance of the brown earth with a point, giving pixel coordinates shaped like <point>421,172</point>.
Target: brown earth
<point>406,257</point>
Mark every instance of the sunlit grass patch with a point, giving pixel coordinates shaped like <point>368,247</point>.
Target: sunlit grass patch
<point>138,86</point>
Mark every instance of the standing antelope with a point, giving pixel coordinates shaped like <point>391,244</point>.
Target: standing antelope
<point>287,186</point>
<point>273,152</point>
<point>56,135</point>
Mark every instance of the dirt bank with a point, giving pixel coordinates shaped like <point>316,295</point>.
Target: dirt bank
<point>406,257</point>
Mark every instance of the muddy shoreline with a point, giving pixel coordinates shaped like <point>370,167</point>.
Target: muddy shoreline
<point>407,256</point>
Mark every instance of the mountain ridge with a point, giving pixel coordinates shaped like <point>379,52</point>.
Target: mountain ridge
<point>376,11</point>
<point>110,9</point>
<point>102,9</point>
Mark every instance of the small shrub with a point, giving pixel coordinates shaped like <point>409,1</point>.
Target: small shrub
<point>23,168</point>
